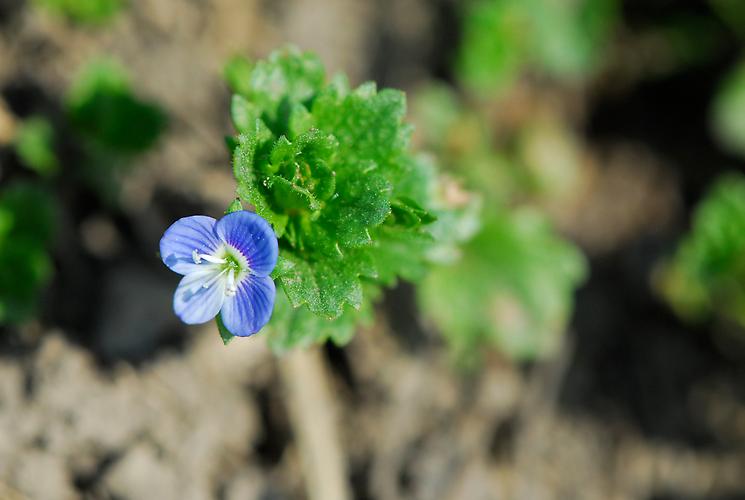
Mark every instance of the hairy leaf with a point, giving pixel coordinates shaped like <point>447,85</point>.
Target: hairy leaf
<point>330,169</point>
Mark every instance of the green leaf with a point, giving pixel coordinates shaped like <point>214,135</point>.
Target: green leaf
<point>728,111</point>
<point>26,222</point>
<point>225,334</point>
<point>237,72</point>
<point>300,120</point>
<point>494,46</point>
<point>282,268</point>
<point>502,38</point>
<point>286,78</point>
<point>243,113</point>
<point>251,182</point>
<point>368,125</point>
<point>407,212</point>
<point>569,38</point>
<point>298,327</point>
<point>363,202</point>
<point>512,289</point>
<point>327,284</point>
<point>235,206</point>
<point>83,11</point>
<point>399,252</point>
<point>705,275</point>
<point>101,105</point>
<point>34,145</point>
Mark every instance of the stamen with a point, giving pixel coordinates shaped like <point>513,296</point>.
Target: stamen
<point>212,280</point>
<point>198,257</point>
<point>213,259</point>
<point>231,289</point>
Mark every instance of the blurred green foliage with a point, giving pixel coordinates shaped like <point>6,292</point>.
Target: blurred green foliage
<point>538,160</point>
<point>508,280</point>
<point>83,11</point>
<point>460,140</point>
<point>237,73</point>
<point>329,167</point>
<point>103,108</point>
<point>26,222</point>
<point>503,38</point>
<point>706,276</point>
<point>34,144</point>
<point>113,124</point>
<point>732,12</point>
<point>512,289</point>
<point>728,111</point>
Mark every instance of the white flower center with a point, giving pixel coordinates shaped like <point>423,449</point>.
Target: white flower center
<point>227,265</point>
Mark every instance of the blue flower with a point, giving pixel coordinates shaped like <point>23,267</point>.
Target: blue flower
<point>226,266</point>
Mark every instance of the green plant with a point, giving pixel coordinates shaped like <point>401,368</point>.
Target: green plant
<point>512,289</point>
<point>508,281</point>
<point>330,168</point>
<point>83,11</point>
<point>706,275</point>
<point>728,111</point>
<point>503,38</point>
<point>103,108</point>
<point>34,144</point>
<point>25,235</point>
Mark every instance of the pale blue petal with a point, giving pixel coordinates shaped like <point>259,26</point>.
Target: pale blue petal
<point>183,237</point>
<point>192,302</point>
<point>251,235</point>
<point>250,309</point>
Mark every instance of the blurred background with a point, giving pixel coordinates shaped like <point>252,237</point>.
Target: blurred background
<point>581,335</point>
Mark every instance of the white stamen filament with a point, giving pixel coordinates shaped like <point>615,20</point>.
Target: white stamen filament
<point>214,278</point>
<point>198,257</point>
<point>231,289</point>
<point>228,271</point>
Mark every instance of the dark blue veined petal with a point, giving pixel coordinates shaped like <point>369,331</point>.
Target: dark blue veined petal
<point>192,302</point>
<point>251,235</point>
<point>250,309</point>
<point>183,237</point>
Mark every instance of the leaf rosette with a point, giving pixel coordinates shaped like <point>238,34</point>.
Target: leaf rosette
<point>329,167</point>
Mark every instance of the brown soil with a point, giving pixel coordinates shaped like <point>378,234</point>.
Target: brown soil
<point>108,397</point>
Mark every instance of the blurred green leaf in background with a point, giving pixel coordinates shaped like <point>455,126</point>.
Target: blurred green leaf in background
<point>26,223</point>
<point>512,289</point>
<point>507,280</point>
<point>728,111</point>
<point>34,144</point>
<point>103,108</point>
<point>706,276</point>
<point>731,12</point>
<point>237,73</point>
<point>83,11</point>
<point>503,38</point>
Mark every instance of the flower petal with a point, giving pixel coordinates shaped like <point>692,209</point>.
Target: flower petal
<point>192,302</point>
<point>183,237</point>
<point>251,235</point>
<point>250,309</point>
